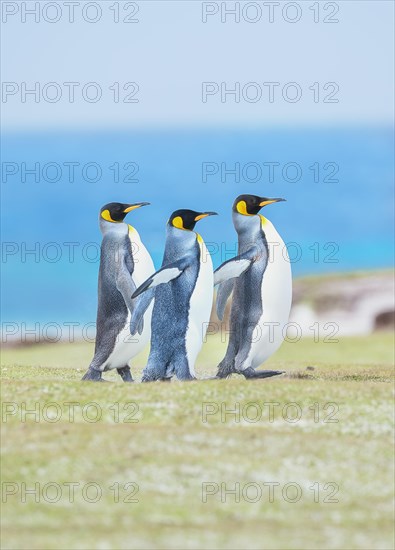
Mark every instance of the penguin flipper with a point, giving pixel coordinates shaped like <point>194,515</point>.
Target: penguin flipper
<point>125,284</point>
<point>137,320</point>
<point>235,267</point>
<point>225,289</point>
<point>166,274</point>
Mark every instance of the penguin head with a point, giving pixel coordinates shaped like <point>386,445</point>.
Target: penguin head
<point>115,212</point>
<point>186,219</point>
<point>250,205</point>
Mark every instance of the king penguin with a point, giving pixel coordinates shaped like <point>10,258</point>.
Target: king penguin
<point>261,281</point>
<point>124,264</point>
<point>183,300</point>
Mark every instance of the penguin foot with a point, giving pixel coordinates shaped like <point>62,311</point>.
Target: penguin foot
<point>92,375</point>
<point>252,373</point>
<point>125,374</point>
<point>147,378</point>
<point>225,371</point>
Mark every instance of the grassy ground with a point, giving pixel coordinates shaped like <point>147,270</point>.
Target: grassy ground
<point>171,439</point>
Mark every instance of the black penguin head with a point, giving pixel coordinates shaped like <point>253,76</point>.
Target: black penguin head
<point>186,219</point>
<point>116,211</point>
<point>249,205</point>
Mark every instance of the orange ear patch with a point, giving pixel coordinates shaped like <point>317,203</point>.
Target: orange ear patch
<point>107,216</point>
<point>177,222</point>
<point>241,207</point>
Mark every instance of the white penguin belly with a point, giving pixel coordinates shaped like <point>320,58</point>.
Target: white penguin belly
<point>276,293</point>
<point>143,264</point>
<point>128,346</point>
<point>200,307</point>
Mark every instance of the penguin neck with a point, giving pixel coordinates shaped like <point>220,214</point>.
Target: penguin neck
<point>248,228</point>
<point>179,242</point>
<point>115,228</point>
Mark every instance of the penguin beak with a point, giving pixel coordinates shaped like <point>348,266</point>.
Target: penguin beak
<point>134,206</point>
<point>204,215</point>
<point>265,202</point>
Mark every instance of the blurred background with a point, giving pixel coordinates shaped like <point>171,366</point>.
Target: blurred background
<point>187,104</point>
<point>113,104</point>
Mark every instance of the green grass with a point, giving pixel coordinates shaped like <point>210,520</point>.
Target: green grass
<point>170,451</point>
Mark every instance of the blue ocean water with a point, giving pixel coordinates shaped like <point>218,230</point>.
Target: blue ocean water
<point>338,183</point>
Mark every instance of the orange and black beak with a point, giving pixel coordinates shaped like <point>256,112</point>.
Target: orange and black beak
<point>130,207</point>
<point>265,201</point>
<point>204,215</point>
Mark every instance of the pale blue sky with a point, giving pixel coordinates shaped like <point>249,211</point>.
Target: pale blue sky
<point>170,52</point>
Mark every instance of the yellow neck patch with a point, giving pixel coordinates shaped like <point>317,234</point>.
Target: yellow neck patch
<point>263,220</point>
<point>199,238</point>
<point>131,228</point>
<point>241,207</point>
<point>107,216</point>
<point>177,222</point>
